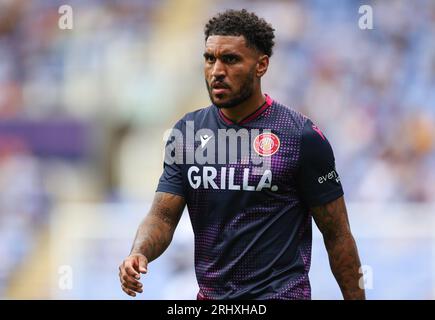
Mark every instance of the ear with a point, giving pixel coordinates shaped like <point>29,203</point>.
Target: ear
<point>262,65</point>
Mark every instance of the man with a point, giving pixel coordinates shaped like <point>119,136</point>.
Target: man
<point>251,210</point>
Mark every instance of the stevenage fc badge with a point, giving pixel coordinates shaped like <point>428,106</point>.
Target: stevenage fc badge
<point>266,144</point>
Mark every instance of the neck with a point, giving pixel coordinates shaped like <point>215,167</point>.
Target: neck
<point>241,111</point>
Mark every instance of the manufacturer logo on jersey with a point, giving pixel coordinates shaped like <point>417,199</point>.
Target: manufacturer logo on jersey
<point>266,144</point>
<point>204,139</point>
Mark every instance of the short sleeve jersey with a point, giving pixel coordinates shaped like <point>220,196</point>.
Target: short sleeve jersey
<point>249,187</point>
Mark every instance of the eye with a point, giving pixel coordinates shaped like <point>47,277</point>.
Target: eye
<point>209,58</point>
<point>230,59</point>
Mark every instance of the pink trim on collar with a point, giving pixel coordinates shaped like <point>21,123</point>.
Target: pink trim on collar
<point>253,116</point>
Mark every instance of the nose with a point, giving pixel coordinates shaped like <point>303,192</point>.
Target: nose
<point>218,70</point>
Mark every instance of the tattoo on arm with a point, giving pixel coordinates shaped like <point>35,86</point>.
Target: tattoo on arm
<point>333,222</point>
<point>155,232</point>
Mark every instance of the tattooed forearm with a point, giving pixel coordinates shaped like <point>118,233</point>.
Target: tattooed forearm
<point>155,232</point>
<point>333,222</point>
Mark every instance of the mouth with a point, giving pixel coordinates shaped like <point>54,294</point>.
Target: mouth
<point>219,91</point>
<point>219,88</point>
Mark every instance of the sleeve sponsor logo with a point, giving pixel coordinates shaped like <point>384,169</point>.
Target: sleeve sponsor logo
<point>329,176</point>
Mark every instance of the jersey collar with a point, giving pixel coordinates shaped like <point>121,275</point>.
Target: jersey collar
<point>250,117</point>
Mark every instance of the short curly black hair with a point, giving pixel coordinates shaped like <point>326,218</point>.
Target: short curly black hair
<point>257,32</point>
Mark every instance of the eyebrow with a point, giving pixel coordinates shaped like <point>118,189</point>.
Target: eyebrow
<point>227,54</point>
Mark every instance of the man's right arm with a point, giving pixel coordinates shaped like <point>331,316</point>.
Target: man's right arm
<point>156,230</point>
<point>152,238</point>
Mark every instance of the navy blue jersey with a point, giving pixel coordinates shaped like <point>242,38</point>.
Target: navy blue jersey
<point>248,189</point>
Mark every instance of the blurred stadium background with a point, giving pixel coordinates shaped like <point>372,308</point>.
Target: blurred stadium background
<point>83,111</point>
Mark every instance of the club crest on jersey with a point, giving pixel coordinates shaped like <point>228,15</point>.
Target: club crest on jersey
<point>266,144</point>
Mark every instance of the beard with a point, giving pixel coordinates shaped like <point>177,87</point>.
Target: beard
<point>245,92</point>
